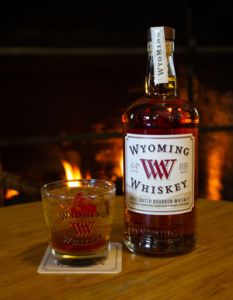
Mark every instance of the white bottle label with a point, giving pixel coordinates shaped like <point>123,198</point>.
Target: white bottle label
<point>159,173</point>
<point>158,45</point>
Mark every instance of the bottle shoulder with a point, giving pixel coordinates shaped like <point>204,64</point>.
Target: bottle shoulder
<point>173,111</point>
<point>150,105</point>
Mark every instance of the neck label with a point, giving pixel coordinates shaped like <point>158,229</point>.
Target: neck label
<point>159,55</point>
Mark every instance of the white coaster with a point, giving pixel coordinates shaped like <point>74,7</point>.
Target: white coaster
<point>112,264</point>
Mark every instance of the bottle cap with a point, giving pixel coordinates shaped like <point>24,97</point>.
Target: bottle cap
<point>169,33</point>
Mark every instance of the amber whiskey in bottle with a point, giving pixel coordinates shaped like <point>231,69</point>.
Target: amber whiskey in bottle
<point>160,159</point>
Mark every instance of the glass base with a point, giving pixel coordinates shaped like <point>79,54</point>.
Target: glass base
<point>81,259</point>
<point>171,247</point>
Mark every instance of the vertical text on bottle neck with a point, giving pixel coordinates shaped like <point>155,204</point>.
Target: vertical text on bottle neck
<point>161,90</point>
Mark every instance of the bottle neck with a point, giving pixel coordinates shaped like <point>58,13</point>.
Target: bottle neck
<point>153,86</point>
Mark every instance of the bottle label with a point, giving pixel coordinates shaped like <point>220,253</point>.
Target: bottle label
<point>158,45</point>
<point>159,173</point>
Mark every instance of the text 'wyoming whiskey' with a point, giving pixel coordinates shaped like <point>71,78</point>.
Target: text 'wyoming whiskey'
<point>160,158</point>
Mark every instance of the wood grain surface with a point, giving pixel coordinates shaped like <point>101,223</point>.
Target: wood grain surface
<point>206,273</point>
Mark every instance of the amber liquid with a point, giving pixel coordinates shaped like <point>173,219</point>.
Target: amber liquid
<point>161,234</point>
<point>79,225</point>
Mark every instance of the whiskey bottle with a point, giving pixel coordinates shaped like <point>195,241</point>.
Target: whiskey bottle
<point>160,159</point>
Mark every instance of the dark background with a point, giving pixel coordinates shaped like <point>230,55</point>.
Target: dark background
<point>113,23</point>
<point>72,68</point>
<point>44,92</point>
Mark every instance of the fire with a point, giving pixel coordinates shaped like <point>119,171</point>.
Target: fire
<point>88,175</point>
<point>122,163</point>
<point>214,185</point>
<point>119,167</point>
<point>111,159</point>
<point>216,166</point>
<point>10,194</point>
<point>72,172</point>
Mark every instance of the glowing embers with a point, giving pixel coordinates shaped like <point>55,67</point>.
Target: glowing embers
<point>10,193</point>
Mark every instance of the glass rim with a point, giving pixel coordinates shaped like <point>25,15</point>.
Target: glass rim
<point>111,185</point>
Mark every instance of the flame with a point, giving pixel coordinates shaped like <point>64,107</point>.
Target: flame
<point>72,172</point>
<point>122,163</point>
<point>118,170</point>
<point>88,175</point>
<point>111,160</point>
<point>10,194</point>
<point>216,165</point>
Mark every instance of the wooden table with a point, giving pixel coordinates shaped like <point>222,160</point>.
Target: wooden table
<point>206,273</point>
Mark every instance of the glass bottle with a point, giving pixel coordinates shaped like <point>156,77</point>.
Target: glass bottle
<point>160,159</point>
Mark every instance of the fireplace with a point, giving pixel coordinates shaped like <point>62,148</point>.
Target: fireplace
<point>26,167</point>
<point>60,109</point>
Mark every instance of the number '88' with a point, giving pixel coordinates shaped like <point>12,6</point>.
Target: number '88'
<point>184,166</point>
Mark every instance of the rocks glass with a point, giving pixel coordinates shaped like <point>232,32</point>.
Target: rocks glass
<point>79,216</point>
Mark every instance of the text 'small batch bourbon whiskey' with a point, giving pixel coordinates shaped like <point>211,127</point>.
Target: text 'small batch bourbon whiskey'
<point>160,145</point>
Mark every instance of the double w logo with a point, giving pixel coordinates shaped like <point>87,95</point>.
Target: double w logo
<point>83,229</point>
<point>156,168</point>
